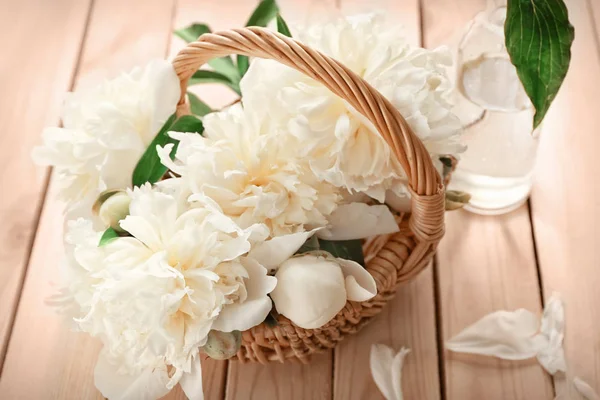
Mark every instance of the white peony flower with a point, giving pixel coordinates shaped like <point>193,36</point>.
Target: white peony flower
<point>343,147</point>
<point>153,297</point>
<point>253,172</point>
<point>107,129</point>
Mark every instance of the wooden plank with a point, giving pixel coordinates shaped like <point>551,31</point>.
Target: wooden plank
<point>484,264</point>
<point>291,381</point>
<point>34,74</point>
<point>409,319</point>
<point>487,264</point>
<point>44,359</point>
<point>565,200</point>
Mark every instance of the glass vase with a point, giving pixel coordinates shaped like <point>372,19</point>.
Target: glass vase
<point>496,170</point>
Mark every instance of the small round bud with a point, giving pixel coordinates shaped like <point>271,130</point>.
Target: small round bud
<point>111,207</point>
<point>222,345</point>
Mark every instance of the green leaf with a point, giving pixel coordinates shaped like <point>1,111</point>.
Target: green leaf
<point>149,168</point>
<point>225,66</point>
<point>346,249</point>
<point>197,106</point>
<point>282,27</point>
<point>193,32</point>
<point>243,63</point>
<point>262,15</point>
<point>108,236</point>
<point>538,40</point>
<point>205,76</point>
<point>312,244</point>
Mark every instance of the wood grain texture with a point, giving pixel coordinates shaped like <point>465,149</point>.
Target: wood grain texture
<point>44,359</point>
<point>487,264</point>
<point>291,380</point>
<point>566,203</point>
<point>31,97</point>
<point>408,320</point>
<point>484,264</point>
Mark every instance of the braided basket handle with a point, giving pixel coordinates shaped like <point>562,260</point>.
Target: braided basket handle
<point>427,219</point>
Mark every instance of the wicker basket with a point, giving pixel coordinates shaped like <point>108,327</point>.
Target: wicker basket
<point>391,259</point>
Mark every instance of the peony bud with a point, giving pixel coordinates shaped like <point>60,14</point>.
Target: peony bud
<point>112,206</point>
<point>312,288</point>
<point>222,345</point>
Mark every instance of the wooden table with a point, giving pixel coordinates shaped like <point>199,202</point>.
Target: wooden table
<point>484,263</point>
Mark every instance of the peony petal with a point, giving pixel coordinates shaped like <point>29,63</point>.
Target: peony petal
<point>151,384</point>
<point>360,285</point>
<point>397,365</point>
<point>253,311</point>
<point>358,221</point>
<point>310,290</point>
<point>272,253</point>
<point>381,359</point>
<point>551,354</point>
<point>503,334</point>
<point>585,389</point>
<point>191,382</point>
<point>386,369</point>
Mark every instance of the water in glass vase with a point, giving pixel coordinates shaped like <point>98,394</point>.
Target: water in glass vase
<point>497,115</point>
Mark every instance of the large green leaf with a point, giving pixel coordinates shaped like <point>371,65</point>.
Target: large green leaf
<point>346,249</point>
<point>197,106</point>
<point>262,15</point>
<point>149,168</point>
<point>193,32</point>
<point>206,76</point>
<point>223,65</point>
<point>282,26</point>
<point>538,39</point>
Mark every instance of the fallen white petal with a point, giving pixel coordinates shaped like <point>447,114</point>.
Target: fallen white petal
<point>191,383</point>
<point>585,389</point>
<point>272,253</point>
<point>551,354</point>
<point>503,334</point>
<point>151,384</point>
<point>386,368</point>
<point>358,221</point>
<point>360,285</point>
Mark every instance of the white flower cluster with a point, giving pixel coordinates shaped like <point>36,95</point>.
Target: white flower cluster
<point>213,247</point>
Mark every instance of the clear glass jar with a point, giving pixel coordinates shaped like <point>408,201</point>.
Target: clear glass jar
<point>497,116</point>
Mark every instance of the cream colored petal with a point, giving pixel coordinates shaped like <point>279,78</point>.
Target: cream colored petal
<point>503,334</point>
<point>381,359</point>
<point>585,389</point>
<point>272,253</point>
<point>359,220</point>
<point>253,311</point>
<point>386,369</point>
<point>360,285</point>
<point>151,384</point>
<point>310,290</point>
<point>551,354</point>
<point>191,383</point>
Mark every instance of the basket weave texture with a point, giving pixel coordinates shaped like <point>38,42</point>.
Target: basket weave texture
<point>391,259</point>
